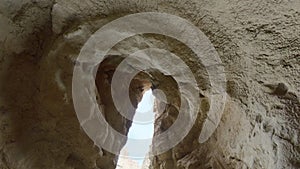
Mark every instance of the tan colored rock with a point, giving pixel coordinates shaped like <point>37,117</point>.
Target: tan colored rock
<point>258,42</point>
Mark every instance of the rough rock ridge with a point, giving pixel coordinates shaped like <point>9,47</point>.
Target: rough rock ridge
<point>258,42</point>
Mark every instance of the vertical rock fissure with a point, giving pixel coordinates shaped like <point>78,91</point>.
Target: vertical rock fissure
<point>139,130</point>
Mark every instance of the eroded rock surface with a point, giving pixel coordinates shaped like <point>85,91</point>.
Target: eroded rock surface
<point>257,41</point>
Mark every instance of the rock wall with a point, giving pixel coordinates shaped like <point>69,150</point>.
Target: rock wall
<point>258,42</point>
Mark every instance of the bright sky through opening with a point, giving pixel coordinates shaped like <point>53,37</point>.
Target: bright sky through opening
<point>139,131</point>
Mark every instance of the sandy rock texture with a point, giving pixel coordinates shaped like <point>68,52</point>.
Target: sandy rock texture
<point>257,41</point>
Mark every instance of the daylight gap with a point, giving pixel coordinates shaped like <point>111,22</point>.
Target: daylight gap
<point>139,131</point>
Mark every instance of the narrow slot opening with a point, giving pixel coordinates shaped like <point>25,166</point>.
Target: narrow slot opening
<point>139,130</point>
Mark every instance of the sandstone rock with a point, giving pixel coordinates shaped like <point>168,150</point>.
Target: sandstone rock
<point>257,41</point>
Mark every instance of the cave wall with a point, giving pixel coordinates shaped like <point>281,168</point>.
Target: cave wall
<point>258,42</point>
